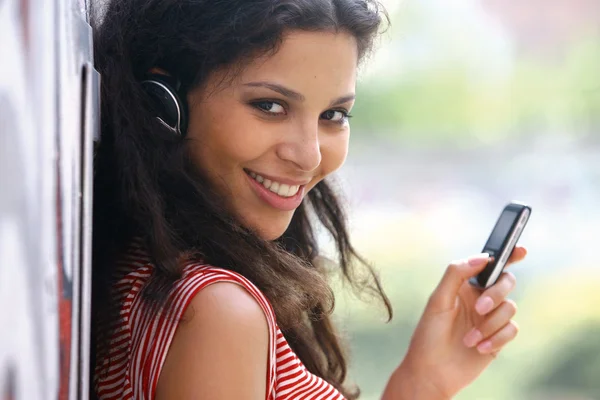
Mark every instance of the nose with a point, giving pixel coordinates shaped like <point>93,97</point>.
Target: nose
<point>301,146</point>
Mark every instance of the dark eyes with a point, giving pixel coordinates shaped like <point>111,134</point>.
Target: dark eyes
<point>339,116</point>
<point>270,107</point>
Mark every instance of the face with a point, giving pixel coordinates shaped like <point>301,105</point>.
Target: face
<point>281,126</point>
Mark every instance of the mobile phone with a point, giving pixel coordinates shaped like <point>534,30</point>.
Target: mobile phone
<point>502,242</point>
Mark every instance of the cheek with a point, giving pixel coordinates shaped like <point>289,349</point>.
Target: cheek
<point>334,149</point>
<point>228,139</point>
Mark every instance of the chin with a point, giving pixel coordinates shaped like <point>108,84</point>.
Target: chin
<point>271,231</point>
<point>271,234</point>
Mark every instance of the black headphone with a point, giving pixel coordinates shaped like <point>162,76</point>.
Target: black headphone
<point>166,96</point>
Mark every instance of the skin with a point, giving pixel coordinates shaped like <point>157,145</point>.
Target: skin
<point>224,340</point>
<point>303,137</point>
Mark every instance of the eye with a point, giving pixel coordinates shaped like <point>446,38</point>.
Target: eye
<point>336,116</point>
<point>269,107</point>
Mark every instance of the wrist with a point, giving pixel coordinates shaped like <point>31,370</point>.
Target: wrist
<point>408,384</point>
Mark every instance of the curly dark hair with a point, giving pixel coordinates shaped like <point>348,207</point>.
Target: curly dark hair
<point>146,185</point>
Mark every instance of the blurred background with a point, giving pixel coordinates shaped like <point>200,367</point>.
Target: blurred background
<point>465,106</point>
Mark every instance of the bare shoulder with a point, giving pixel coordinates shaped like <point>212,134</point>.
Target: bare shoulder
<point>220,348</point>
<point>226,302</point>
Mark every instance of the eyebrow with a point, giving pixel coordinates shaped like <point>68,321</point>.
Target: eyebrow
<point>342,100</point>
<point>289,93</point>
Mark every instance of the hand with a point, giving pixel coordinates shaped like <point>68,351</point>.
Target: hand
<point>462,328</point>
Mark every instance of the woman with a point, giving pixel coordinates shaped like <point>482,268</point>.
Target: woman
<point>207,283</point>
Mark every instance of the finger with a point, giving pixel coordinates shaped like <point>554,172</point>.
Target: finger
<point>499,339</point>
<point>495,321</point>
<point>444,296</point>
<point>517,255</point>
<point>495,295</point>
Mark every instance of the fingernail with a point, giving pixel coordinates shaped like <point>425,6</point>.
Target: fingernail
<point>484,305</point>
<point>485,347</point>
<point>472,338</point>
<point>478,259</point>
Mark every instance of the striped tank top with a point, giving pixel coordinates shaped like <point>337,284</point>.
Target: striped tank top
<point>139,343</point>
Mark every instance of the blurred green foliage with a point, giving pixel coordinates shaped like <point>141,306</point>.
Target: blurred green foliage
<point>579,367</point>
<point>442,101</point>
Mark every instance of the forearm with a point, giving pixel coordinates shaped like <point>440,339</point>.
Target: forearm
<point>404,385</point>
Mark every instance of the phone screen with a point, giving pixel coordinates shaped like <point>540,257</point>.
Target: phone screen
<point>501,230</point>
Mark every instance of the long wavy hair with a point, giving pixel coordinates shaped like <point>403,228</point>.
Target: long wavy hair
<point>147,186</point>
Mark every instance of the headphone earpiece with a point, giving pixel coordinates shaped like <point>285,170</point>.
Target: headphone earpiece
<point>164,91</point>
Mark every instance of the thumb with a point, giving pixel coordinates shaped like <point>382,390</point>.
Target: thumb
<point>444,296</point>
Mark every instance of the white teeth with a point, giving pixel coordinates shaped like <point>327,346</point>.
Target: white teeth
<point>293,190</point>
<point>282,189</point>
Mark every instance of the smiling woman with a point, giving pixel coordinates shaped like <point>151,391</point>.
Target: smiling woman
<point>221,122</point>
<point>263,92</point>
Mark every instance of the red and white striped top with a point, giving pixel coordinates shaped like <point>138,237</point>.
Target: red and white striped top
<point>141,339</point>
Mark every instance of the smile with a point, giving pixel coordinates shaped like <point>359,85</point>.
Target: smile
<point>282,194</point>
<point>281,189</point>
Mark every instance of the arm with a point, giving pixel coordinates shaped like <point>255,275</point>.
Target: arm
<point>403,385</point>
<point>220,349</point>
